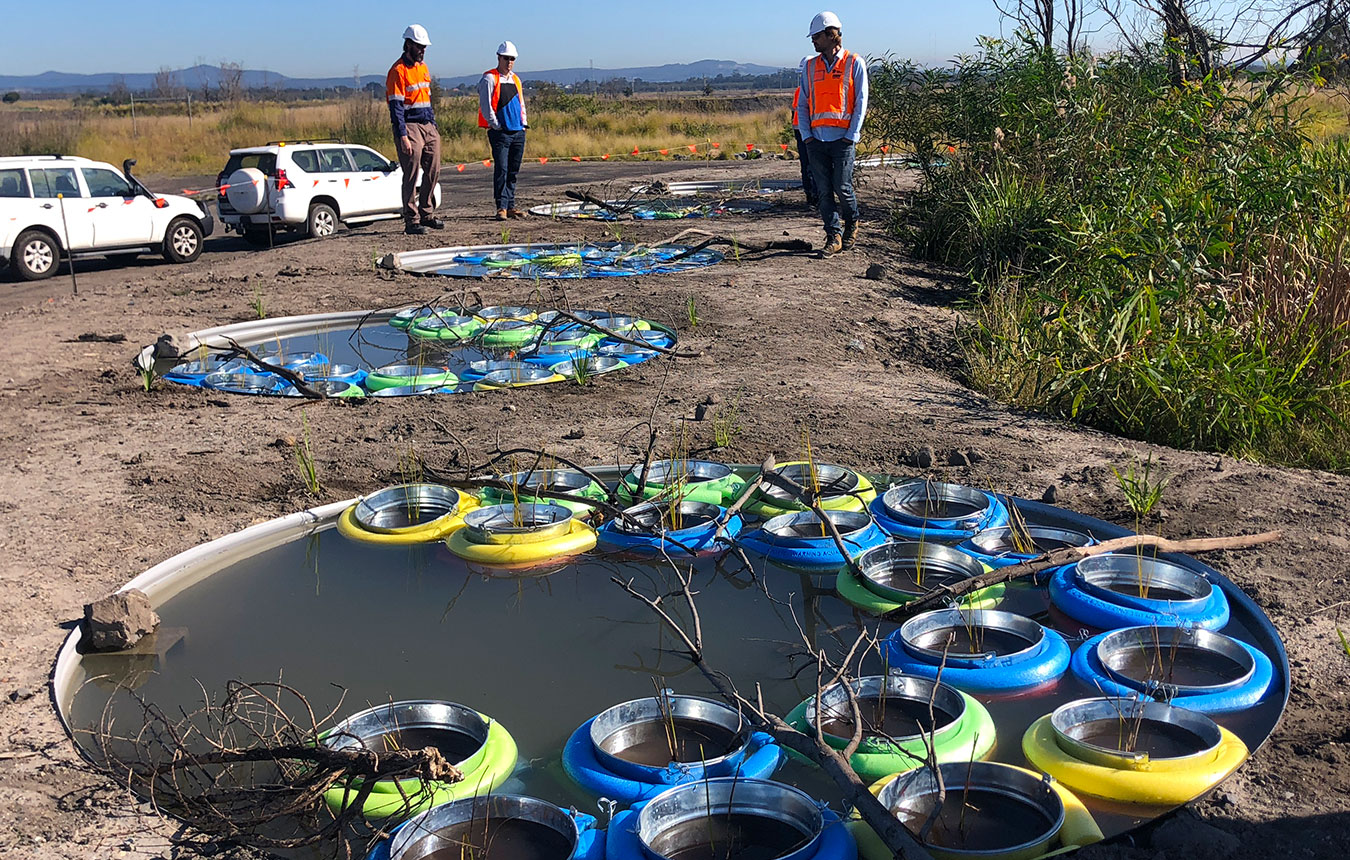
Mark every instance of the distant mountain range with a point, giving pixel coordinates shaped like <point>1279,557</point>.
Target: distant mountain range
<point>209,76</point>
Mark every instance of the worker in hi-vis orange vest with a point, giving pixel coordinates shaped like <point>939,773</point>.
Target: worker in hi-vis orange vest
<point>808,186</point>
<point>501,110</point>
<point>408,88</point>
<point>830,115</point>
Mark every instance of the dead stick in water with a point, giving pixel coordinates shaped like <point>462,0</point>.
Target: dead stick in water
<point>942,595</point>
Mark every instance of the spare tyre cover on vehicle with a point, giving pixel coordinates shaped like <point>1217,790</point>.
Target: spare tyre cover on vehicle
<point>247,190</point>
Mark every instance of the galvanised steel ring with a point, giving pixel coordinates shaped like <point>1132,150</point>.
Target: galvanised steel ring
<point>932,510</point>
<point>676,527</point>
<point>1079,827</point>
<point>801,827</point>
<point>568,481</point>
<point>409,375</point>
<point>1008,545</point>
<point>487,819</point>
<point>978,650</point>
<point>194,372</point>
<point>406,514</point>
<point>695,480</point>
<point>349,373</point>
<point>1199,670</point>
<point>610,755</point>
<point>245,382</point>
<point>328,388</point>
<point>517,377</point>
<point>477,745</point>
<point>898,572</point>
<point>587,366</point>
<point>800,539</point>
<point>838,488</point>
<point>409,317</point>
<point>1116,590</point>
<point>1133,751</point>
<point>509,333</point>
<point>905,716</point>
<point>524,534</point>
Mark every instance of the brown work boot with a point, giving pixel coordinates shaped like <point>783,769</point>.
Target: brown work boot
<point>501,214</point>
<point>850,235</point>
<point>515,213</point>
<point>833,245</point>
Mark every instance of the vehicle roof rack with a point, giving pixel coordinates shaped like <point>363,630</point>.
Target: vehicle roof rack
<point>313,140</point>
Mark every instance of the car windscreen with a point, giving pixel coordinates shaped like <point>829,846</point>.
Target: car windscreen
<point>264,161</point>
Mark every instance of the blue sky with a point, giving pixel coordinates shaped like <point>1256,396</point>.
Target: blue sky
<point>329,38</point>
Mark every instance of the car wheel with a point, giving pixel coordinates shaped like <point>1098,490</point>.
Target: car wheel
<point>183,241</point>
<point>322,221</point>
<point>36,255</point>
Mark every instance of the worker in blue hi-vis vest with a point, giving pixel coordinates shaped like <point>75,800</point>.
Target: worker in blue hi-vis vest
<point>501,110</point>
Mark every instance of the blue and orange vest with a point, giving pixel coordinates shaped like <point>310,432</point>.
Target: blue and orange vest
<point>497,107</point>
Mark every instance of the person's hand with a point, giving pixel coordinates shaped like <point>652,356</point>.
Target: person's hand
<point>404,146</point>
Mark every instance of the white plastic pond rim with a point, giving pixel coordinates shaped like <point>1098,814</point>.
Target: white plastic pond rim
<point>179,573</point>
<point>256,332</point>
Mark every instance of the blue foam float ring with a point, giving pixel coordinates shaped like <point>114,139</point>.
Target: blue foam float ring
<point>759,760</point>
<point>943,529</point>
<point>811,552</point>
<point>1105,614</point>
<point>622,842</point>
<point>590,840</point>
<point>1041,664</point>
<point>305,359</point>
<point>701,539</point>
<point>1087,666</point>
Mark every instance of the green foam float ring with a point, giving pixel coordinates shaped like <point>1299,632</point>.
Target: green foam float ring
<point>407,797</point>
<point>854,592</point>
<point>718,491</point>
<point>762,505</point>
<point>377,381</point>
<point>509,333</point>
<point>429,328</point>
<point>1164,782</point>
<point>972,738</point>
<point>1079,828</point>
<point>498,496</point>
<point>578,539</point>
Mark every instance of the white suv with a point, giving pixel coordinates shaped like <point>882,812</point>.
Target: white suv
<point>55,205</point>
<point>308,185</point>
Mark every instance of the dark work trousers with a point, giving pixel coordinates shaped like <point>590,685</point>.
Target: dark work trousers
<point>808,184</point>
<point>508,149</point>
<point>832,170</point>
<point>426,153</point>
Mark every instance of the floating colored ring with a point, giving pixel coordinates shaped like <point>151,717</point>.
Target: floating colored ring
<point>1088,667</point>
<point>453,327</point>
<point>408,375</point>
<point>512,332</point>
<point>562,480</point>
<point>578,538</point>
<point>790,539</point>
<point>590,842</point>
<point>707,536</point>
<point>1079,828</point>
<point>853,592</point>
<point>1103,613</point>
<point>971,511</point>
<point>1158,781</point>
<point>1043,660</point>
<point>971,736</point>
<point>695,480</point>
<point>362,521</point>
<point>841,490</point>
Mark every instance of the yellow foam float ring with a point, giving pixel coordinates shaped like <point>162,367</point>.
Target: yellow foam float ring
<point>578,539</point>
<point>435,530</point>
<point>1079,828</point>
<point>406,797</point>
<point>762,505</point>
<point>484,385</point>
<point>1160,782</point>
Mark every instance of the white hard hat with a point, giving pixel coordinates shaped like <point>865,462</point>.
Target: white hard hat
<point>824,21</point>
<point>507,49</point>
<point>417,33</point>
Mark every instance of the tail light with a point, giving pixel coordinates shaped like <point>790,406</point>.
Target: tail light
<point>220,184</point>
<point>282,182</point>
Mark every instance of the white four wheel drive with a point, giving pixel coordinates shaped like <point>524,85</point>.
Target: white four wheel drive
<point>54,207</point>
<point>307,185</point>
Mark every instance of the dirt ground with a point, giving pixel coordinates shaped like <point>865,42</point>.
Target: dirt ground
<point>104,480</point>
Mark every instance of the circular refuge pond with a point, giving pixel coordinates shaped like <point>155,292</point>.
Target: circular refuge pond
<point>416,351</point>
<point>547,649</point>
<point>563,260</point>
<point>651,209</point>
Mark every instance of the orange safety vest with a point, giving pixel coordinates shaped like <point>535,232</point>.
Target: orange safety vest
<point>830,99</point>
<point>409,84</point>
<point>796,100</point>
<point>497,93</point>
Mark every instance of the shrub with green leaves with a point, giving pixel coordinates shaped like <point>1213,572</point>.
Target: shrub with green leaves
<point>1167,263</point>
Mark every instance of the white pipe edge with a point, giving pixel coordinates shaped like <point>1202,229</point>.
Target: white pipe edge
<point>180,572</point>
<point>254,332</point>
